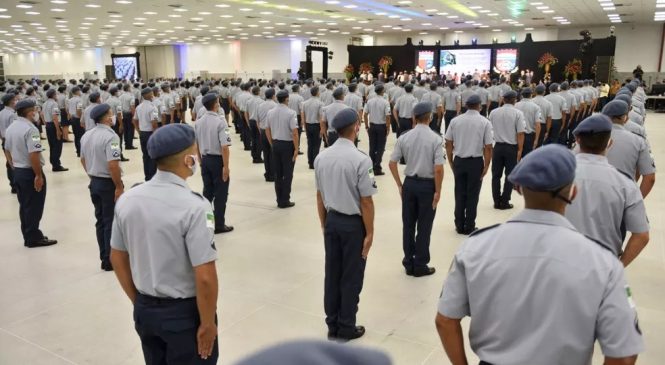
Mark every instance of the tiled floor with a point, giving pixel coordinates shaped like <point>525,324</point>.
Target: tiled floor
<point>57,307</point>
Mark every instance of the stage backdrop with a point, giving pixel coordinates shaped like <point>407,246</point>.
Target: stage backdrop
<point>405,57</point>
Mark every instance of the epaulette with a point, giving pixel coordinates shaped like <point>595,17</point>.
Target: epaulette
<point>478,231</point>
<point>197,194</point>
<point>626,175</point>
<point>599,243</point>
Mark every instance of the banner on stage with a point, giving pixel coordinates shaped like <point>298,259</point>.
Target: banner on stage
<point>506,59</point>
<point>465,61</point>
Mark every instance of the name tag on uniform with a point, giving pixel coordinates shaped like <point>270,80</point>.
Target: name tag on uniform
<point>210,220</point>
<point>115,145</point>
<point>35,137</point>
<point>371,172</point>
<point>629,294</point>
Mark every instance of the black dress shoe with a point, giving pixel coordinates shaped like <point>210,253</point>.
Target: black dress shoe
<point>459,230</point>
<point>131,148</point>
<point>357,332</point>
<point>60,169</point>
<point>286,205</point>
<point>311,167</point>
<point>270,179</point>
<point>123,159</point>
<point>257,161</point>
<point>409,272</point>
<point>424,272</point>
<point>332,335</point>
<point>300,153</point>
<point>14,191</point>
<point>41,243</point>
<point>468,231</point>
<point>224,229</point>
<point>505,206</point>
<point>247,149</point>
<point>106,265</point>
<point>497,206</point>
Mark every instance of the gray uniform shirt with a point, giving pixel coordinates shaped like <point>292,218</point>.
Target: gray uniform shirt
<point>7,116</point>
<point>262,114</point>
<point>253,107</point>
<point>146,113</point>
<point>50,110</point>
<point>331,110</point>
<point>494,93</point>
<point>539,292</point>
<point>629,153</point>
<point>377,110</point>
<point>167,230</point>
<point>354,102</point>
<point>116,107</point>
<point>89,122</point>
<point>470,133</point>
<point>74,104</point>
<point>545,107</point>
<point>606,198</point>
<point>313,110</point>
<point>327,97</point>
<point>532,114</point>
<point>464,95</point>
<point>422,149</point>
<point>571,100</point>
<point>559,105</point>
<point>212,132</point>
<point>99,146</point>
<point>507,122</point>
<point>343,175</point>
<point>451,99</point>
<point>22,139</point>
<point>434,98</point>
<point>404,105</point>
<point>282,121</point>
<point>127,102</point>
<point>295,102</point>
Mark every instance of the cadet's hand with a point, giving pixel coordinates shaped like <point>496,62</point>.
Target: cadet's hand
<point>225,174</point>
<point>58,134</point>
<point>387,132</point>
<point>295,155</point>
<point>452,168</point>
<point>399,188</point>
<point>39,183</point>
<point>367,244</point>
<point>205,339</point>
<point>118,192</point>
<point>121,130</point>
<point>435,201</point>
<point>484,172</point>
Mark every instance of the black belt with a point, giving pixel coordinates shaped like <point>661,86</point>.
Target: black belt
<point>333,211</point>
<point>101,178</point>
<point>415,177</point>
<point>211,155</point>
<point>281,140</point>
<point>468,158</point>
<point>505,144</point>
<point>149,299</point>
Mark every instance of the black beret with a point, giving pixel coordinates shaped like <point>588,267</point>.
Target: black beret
<point>98,111</point>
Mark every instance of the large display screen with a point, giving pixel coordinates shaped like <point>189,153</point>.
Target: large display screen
<point>506,59</point>
<point>465,61</point>
<point>425,60</point>
<point>126,67</point>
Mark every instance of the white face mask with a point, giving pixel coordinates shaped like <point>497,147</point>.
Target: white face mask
<point>195,165</point>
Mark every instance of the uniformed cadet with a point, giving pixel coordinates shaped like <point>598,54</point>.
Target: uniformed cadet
<point>377,123</point>
<point>451,104</point>
<point>534,121</point>
<point>295,104</point>
<point>327,95</point>
<point>466,93</point>
<point>546,113</point>
<point>75,112</point>
<point>100,156</point>
<point>609,202</point>
<point>403,110</point>
<point>116,111</point>
<point>345,185</point>
<point>353,101</point>
<point>312,113</point>
<point>23,148</point>
<point>7,117</point>
<point>629,153</point>
<point>251,114</point>
<point>420,192</point>
<point>146,121</point>
<point>128,104</point>
<point>494,95</point>
<point>282,134</point>
<point>214,139</point>
<point>262,114</point>
<point>308,352</point>
<point>86,121</point>
<point>571,115</point>
<point>241,104</point>
<point>329,112</point>
<point>559,110</point>
<point>509,126</point>
<point>61,98</point>
<point>572,288</point>
<point>163,253</point>
<point>433,97</point>
<point>51,117</point>
<point>630,125</point>
<point>419,90</point>
<point>469,151</point>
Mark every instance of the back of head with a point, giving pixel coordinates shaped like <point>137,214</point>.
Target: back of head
<point>593,134</point>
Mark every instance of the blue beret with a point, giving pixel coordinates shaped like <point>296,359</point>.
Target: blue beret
<point>94,96</point>
<point>554,87</point>
<point>75,89</point>
<point>25,104</point>
<point>155,89</point>
<point>7,98</point>
<point>50,93</point>
<point>527,91</point>
<point>113,90</point>
<point>510,94</point>
<point>270,93</point>
<point>564,85</point>
<point>596,123</point>
<point>282,94</point>
<point>627,98</point>
<point>314,90</point>
<point>548,168</point>
<point>338,92</point>
<point>170,139</point>
<point>378,88</point>
<point>625,90</point>
<point>316,352</point>
<point>166,86</point>
<point>146,91</point>
<point>616,108</point>
<point>540,89</point>
<point>98,111</point>
<point>408,87</point>
<point>208,98</point>
<point>474,99</point>
<point>422,108</point>
<point>344,118</point>
<point>632,87</point>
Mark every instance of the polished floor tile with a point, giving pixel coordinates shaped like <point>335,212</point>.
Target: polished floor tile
<point>57,307</point>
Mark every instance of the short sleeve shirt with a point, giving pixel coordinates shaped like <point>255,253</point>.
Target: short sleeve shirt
<point>470,133</point>
<point>282,121</point>
<point>99,146</point>
<point>212,132</point>
<point>21,139</point>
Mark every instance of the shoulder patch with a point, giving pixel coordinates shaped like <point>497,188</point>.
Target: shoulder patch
<point>479,231</point>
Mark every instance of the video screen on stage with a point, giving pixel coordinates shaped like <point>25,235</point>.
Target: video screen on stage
<point>506,59</point>
<point>425,60</point>
<point>126,67</point>
<point>465,61</point>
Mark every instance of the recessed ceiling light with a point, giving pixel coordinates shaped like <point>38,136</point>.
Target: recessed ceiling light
<point>452,17</point>
<point>496,30</point>
<point>24,6</point>
<point>542,7</point>
<point>528,28</point>
<point>245,9</point>
<point>426,24</point>
<point>92,5</point>
<point>59,1</point>
<point>548,11</point>
<point>123,2</point>
<point>441,13</point>
<point>332,2</point>
<point>57,10</point>
<point>538,3</point>
<point>404,2</point>
<point>266,13</point>
<point>431,10</point>
<point>32,13</point>
<point>350,6</point>
<point>459,31</point>
<point>493,14</point>
<point>484,11</point>
<point>475,7</point>
<point>443,28</point>
<point>222,5</point>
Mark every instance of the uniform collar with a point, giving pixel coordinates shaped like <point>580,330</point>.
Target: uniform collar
<point>618,126</point>
<point>590,157</point>
<point>542,217</point>
<point>507,105</point>
<point>345,142</point>
<point>104,126</point>
<point>169,177</point>
<point>472,112</point>
<point>9,109</point>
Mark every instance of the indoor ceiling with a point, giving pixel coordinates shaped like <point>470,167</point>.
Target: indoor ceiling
<point>35,25</point>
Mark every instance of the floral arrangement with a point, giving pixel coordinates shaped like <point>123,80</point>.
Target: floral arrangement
<point>573,68</point>
<point>384,63</point>
<point>366,67</point>
<point>547,59</point>
<point>348,71</point>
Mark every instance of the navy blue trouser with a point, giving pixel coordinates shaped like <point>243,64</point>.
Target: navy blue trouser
<point>345,271</point>
<point>255,134</point>
<point>129,129</point>
<point>245,133</point>
<point>313,132</point>
<point>468,172</point>
<point>434,123</point>
<point>417,221</point>
<point>282,160</point>
<point>54,145</point>
<point>555,131</point>
<point>10,170</point>
<point>504,157</point>
<point>149,166</point>
<point>332,137</point>
<point>529,138</point>
<point>102,193</point>
<point>215,189</point>
<point>269,173</point>
<point>167,328</point>
<point>405,125</point>
<point>377,144</point>
<point>447,117</point>
<point>31,204</point>
<point>78,133</point>
<point>64,121</point>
